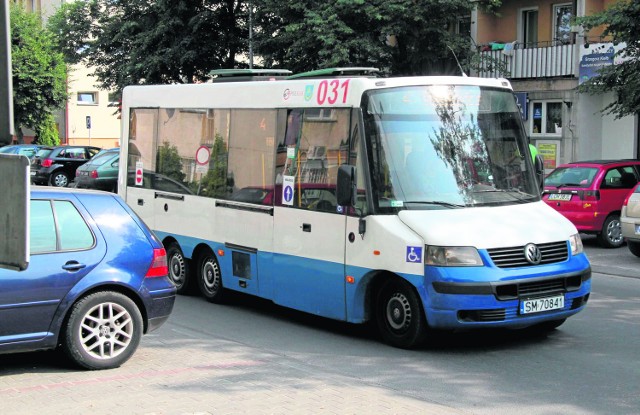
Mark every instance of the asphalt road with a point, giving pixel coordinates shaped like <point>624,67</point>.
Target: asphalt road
<point>250,356</point>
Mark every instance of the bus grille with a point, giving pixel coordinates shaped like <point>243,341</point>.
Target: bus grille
<point>536,288</point>
<point>514,256</point>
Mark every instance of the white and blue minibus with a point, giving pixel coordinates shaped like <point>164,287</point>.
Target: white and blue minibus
<point>409,202</point>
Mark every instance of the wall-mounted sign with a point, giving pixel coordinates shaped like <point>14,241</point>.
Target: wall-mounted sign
<point>521,99</point>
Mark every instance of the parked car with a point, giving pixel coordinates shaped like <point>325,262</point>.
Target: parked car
<point>57,165</point>
<point>96,281</point>
<point>101,172</point>
<point>630,220</point>
<point>28,150</point>
<point>590,194</point>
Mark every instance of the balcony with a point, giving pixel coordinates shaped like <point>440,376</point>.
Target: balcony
<point>519,61</point>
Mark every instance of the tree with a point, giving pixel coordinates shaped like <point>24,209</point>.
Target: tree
<point>402,37</point>
<point>168,41</point>
<point>621,23</point>
<point>143,42</point>
<point>39,72</point>
<point>47,133</point>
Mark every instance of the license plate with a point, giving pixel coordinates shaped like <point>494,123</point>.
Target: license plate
<point>538,305</point>
<point>559,196</point>
<point>33,173</point>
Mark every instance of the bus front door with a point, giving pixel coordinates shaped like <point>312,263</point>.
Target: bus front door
<point>308,272</point>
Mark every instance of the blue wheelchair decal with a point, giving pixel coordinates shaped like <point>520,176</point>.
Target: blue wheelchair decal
<point>414,254</point>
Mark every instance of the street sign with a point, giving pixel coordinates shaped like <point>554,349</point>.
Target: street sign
<point>88,122</point>
<point>14,211</point>
<point>6,90</point>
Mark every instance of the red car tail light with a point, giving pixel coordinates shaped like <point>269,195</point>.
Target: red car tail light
<point>94,174</point>
<point>159,267</point>
<point>47,163</point>
<point>590,195</point>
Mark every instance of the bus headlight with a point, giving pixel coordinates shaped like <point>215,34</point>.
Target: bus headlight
<point>576,244</point>
<point>452,256</point>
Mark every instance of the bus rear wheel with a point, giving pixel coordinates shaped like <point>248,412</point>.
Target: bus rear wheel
<point>210,278</point>
<point>399,315</point>
<point>179,269</point>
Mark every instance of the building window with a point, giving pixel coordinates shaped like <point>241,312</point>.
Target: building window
<point>463,26</point>
<point>546,118</point>
<point>562,14</point>
<point>88,98</point>
<point>529,27</point>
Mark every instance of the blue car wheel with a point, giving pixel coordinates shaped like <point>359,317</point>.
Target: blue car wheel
<point>103,330</point>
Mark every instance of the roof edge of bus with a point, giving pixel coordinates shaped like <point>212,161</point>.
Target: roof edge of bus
<point>338,72</point>
<point>236,75</point>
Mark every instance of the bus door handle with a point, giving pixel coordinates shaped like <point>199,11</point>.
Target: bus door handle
<point>306,227</point>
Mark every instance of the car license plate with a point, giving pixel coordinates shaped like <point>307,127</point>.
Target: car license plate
<point>538,305</point>
<point>33,173</point>
<point>560,196</point>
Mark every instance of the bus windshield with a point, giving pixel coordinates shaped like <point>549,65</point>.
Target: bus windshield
<point>445,147</point>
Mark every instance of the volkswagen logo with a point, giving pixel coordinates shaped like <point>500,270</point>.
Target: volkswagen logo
<point>532,254</point>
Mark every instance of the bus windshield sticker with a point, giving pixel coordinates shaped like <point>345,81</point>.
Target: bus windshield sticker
<point>397,203</point>
<point>414,254</point>
<point>287,190</point>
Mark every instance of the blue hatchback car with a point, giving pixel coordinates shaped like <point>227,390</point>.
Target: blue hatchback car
<point>96,280</point>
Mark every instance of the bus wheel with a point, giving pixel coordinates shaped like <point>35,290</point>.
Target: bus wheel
<point>399,315</point>
<point>179,269</point>
<point>210,278</point>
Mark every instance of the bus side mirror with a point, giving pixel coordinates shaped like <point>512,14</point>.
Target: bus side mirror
<point>346,186</point>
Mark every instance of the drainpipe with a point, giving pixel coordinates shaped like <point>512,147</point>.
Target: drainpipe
<point>66,114</point>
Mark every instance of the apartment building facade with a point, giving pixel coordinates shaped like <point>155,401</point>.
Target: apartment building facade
<point>535,44</point>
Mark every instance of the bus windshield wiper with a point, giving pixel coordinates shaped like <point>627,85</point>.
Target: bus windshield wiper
<point>520,194</point>
<point>436,202</point>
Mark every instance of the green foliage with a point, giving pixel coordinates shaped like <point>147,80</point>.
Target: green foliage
<point>165,41</point>
<point>169,162</point>
<point>401,37</point>
<point>39,72</point>
<point>621,23</point>
<point>215,183</point>
<point>47,132</point>
<point>159,42</point>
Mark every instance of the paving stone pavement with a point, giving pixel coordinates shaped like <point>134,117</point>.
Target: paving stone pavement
<point>207,376</point>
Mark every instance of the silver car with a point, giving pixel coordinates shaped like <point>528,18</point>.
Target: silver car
<point>630,220</point>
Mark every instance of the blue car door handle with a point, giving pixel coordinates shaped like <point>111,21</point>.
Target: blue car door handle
<point>73,266</point>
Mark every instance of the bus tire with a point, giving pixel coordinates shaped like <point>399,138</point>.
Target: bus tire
<point>179,272</point>
<point>210,278</point>
<point>399,315</point>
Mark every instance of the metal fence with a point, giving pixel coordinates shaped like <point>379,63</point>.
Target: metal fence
<point>518,61</point>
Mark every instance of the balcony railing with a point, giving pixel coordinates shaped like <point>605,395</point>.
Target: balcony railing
<point>517,60</point>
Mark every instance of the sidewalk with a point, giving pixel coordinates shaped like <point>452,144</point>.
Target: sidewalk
<point>182,372</point>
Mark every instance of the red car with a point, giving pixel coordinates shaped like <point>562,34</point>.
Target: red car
<point>590,194</point>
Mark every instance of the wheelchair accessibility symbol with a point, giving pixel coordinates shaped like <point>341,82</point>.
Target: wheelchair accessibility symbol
<point>414,254</point>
